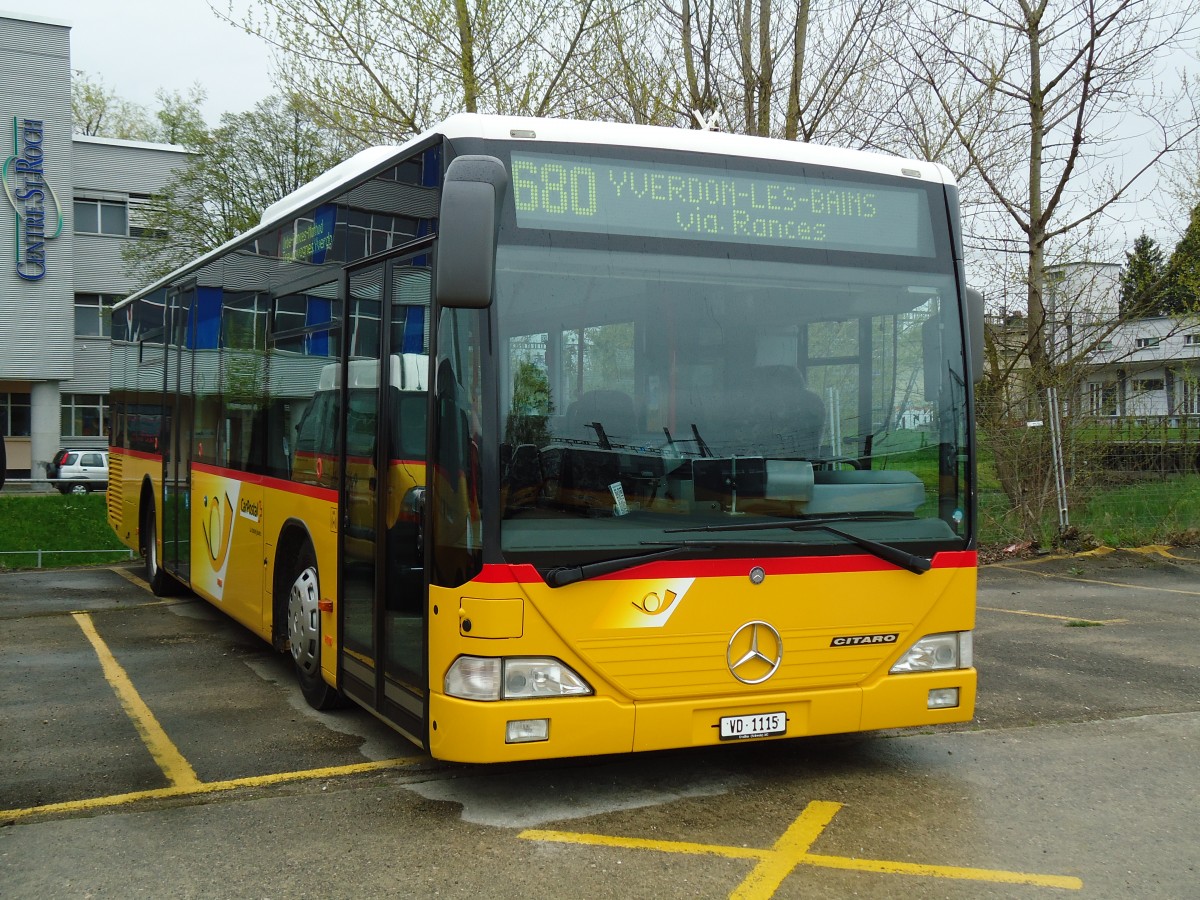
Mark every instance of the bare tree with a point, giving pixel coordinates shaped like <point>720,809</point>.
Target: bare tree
<point>98,111</point>
<point>383,70</point>
<point>1070,77</point>
<point>801,70</point>
<point>1069,88</point>
<point>234,171</point>
<point>1182,175</point>
<point>621,71</point>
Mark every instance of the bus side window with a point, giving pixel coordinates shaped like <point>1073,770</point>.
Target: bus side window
<point>256,447</point>
<point>304,453</point>
<point>278,440</point>
<point>408,427</point>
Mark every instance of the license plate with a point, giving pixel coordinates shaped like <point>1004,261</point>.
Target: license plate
<point>741,728</point>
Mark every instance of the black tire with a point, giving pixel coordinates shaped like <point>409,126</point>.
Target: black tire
<point>160,582</point>
<point>304,631</point>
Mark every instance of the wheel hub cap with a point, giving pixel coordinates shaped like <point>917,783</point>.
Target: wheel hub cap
<point>304,623</point>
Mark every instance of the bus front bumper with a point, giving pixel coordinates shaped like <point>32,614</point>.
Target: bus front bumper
<point>478,732</point>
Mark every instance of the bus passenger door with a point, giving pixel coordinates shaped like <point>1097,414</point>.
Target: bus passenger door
<point>177,454</point>
<point>384,403</point>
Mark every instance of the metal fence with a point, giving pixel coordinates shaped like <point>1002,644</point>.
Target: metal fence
<point>1085,479</point>
<point>39,555</point>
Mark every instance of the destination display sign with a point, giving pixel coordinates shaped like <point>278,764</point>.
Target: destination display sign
<point>583,193</point>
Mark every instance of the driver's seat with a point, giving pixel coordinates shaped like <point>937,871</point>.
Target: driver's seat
<point>614,410</point>
<point>782,415</point>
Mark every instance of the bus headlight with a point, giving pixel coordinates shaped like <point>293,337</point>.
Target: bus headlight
<point>474,678</point>
<point>515,678</point>
<point>935,652</point>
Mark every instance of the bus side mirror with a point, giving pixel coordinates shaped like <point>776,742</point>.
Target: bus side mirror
<point>466,246</point>
<point>975,333</point>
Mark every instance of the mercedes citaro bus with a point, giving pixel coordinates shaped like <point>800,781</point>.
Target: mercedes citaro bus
<point>544,438</point>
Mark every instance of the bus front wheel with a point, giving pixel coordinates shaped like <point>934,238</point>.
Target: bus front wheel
<point>304,632</point>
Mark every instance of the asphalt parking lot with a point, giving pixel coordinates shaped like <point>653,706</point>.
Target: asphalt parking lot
<point>152,747</point>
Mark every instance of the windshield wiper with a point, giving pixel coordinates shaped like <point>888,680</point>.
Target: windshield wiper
<point>918,565</point>
<point>799,524</point>
<point>564,575</point>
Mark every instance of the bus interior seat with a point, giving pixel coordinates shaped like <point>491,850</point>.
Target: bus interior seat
<point>782,410</point>
<point>614,410</point>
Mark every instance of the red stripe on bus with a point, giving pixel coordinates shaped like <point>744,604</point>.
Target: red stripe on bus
<point>136,454</point>
<point>715,568</point>
<point>370,461</point>
<point>268,481</point>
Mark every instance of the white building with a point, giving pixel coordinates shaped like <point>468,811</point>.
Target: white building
<point>71,203</point>
<point>1137,368</point>
<point>1145,368</point>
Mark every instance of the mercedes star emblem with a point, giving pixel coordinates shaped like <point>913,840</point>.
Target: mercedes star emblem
<point>754,653</point>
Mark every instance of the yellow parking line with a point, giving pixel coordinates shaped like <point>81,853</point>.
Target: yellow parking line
<point>182,777</point>
<point>1117,584</point>
<point>1162,550</point>
<point>204,787</point>
<point>131,578</point>
<point>603,840</point>
<point>1025,612</point>
<point>791,851</point>
<point>996,876</point>
<point>178,770</point>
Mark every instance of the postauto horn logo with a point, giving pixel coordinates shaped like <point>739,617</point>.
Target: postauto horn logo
<point>39,215</point>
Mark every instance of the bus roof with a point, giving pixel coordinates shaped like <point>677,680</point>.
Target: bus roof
<point>570,131</point>
<point>374,160</point>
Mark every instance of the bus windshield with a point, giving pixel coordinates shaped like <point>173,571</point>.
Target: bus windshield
<point>651,385</point>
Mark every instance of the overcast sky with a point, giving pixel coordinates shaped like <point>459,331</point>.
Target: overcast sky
<point>139,46</point>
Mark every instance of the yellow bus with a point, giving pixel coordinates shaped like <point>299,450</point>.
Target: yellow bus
<point>542,438</point>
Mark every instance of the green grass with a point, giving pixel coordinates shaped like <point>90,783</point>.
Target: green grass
<point>1150,511</point>
<point>54,522</point>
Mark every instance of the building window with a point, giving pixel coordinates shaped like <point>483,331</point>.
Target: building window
<point>244,321</point>
<point>407,172</point>
<point>139,217</point>
<point>1102,398</point>
<point>1191,340</point>
<point>93,315</point>
<point>1146,343</point>
<point>15,416</point>
<point>84,415</point>
<point>101,217</point>
<point>368,233</point>
<point>1189,397</point>
<point>1148,384</point>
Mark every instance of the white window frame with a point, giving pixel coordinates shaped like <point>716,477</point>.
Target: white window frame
<point>71,404</point>
<point>100,204</point>
<point>102,304</point>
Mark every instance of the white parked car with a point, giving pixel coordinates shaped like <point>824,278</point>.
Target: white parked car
<point>81,471</point>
